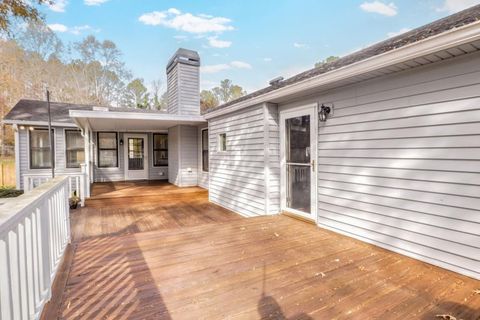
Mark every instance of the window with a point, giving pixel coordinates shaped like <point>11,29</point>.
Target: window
<point>205,150</point>
<point>40,156</point>
<point>222,142</point>
<point>107,149</point>
<point>160,149</point>
<point>75,149</point>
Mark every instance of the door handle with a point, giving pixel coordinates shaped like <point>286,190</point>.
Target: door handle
<point>313,165</point>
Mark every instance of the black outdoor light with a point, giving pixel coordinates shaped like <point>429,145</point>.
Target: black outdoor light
<point>121,142</point>
<point>323,112</point>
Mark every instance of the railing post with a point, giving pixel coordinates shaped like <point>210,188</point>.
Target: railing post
<point>83,184</point>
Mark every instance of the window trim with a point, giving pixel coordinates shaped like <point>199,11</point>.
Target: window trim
<point>208,149</point>
<point>153,150</point>
<point>219,140</point>
<point>30,148</point>
<point>100,149</point>
<point>66,150</point>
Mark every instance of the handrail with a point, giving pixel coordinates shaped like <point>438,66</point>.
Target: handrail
<point>34,232</point>
<point>77,182</point>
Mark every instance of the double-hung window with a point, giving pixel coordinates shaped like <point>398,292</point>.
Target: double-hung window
<point>205,150</point>
<point>40,155</point>
<point>160,149</point>
<point>75,148</point>
<point>107,149</point>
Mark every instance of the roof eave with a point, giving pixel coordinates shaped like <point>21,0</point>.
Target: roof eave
<point>443,41</point>
<point>38,123</point>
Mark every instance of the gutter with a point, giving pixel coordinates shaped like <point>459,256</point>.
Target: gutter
<point>452,38</point>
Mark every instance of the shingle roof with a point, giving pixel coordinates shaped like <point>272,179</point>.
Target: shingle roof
<point>453,21</point>
<point>36,110</point>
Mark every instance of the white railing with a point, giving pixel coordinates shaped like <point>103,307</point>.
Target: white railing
<point>34,232</point>
<point>77,183</point>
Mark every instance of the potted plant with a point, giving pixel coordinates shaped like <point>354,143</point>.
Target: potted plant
<point>74,200</point>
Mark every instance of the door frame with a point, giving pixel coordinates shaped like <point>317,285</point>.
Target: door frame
<point>312,110</point>
<point>125,154</point>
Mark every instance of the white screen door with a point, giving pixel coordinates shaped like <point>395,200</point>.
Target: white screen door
<point>136,160</point>
<point>298,161</point>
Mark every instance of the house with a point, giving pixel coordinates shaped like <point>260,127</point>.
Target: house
<point>382,145</point>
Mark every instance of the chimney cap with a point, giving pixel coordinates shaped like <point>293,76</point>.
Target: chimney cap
<point>184,56</point>
<point>276,81</point>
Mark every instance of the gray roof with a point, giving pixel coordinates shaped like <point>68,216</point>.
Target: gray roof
<point>36,110</point>
<point>453,21</point>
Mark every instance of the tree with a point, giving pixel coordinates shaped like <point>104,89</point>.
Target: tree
<point>325,61</point>
<point>226,92</point>
<point>39,39</point>
<point>136,95</point>
<point>21,9</point>
<point>208,100</point>
<point>159,101</point>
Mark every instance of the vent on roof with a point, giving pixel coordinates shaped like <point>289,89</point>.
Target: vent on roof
<point>100,109</point>
<point>276,81</point>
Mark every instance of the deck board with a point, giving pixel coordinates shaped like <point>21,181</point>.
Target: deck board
<point>184,258</point>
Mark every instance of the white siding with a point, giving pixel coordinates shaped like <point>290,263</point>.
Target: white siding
<point>272,157</point>
<point>202,176</point>
<point>237,179</point>
<point>399,163</point>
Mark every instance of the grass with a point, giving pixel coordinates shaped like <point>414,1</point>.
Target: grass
<point>9,192</point>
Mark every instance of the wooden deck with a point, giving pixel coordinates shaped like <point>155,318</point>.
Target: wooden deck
<point>153,251</point>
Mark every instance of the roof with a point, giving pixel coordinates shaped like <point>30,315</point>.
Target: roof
<point>36,111</point>
<point>437,27</point>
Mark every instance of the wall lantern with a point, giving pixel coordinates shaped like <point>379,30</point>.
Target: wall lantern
<point>323,112</point>
<point>121,142</point>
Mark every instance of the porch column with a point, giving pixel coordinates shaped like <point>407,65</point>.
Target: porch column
<point>86,139</point>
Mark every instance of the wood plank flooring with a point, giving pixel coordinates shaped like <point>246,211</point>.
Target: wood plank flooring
<point>204,262</point>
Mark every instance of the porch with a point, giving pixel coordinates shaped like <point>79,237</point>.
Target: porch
<point>150,250</point>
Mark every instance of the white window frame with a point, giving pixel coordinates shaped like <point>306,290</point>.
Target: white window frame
<point>219,142</point>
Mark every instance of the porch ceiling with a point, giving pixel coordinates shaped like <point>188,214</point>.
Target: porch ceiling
<point>131,121</point>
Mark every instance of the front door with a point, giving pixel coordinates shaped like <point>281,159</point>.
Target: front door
<point>136,160</point>
<point>298,162</point>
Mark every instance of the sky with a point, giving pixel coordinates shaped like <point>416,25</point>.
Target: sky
<point>247,41</point>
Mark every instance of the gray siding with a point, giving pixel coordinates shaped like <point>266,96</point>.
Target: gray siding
<point>272,147</point>
<point>155,173</point>
<point>183,156</point>
<point>60,155</point>
<point>183,85</point>
<point>173,155</point>
<point>399,163</point>
<point>237,179</point>
<point>202,176</point>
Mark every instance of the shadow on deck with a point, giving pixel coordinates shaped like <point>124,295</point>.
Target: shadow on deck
<point>145,251</point>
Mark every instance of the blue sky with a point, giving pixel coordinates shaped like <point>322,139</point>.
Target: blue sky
<point>247,41</point>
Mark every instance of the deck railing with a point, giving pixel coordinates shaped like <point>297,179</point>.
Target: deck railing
<point>34,232</point>
<point>77,183</point>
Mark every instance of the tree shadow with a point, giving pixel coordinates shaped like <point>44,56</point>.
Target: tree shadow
<point>449,310</point>
<point>110,278</point>
<point>269,308</point>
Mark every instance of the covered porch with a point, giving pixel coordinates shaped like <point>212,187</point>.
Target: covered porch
<point>129,145</point>
<point>151,250</point>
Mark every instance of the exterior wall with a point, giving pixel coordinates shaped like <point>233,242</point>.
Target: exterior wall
<point>60,154</point>
<point>183,156</point>
<point>118,173</point>
<point>202,175</point>
<point>237,179</point>
<point>272,157</point>
<point>183,85</point>
<point>399,165</point>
